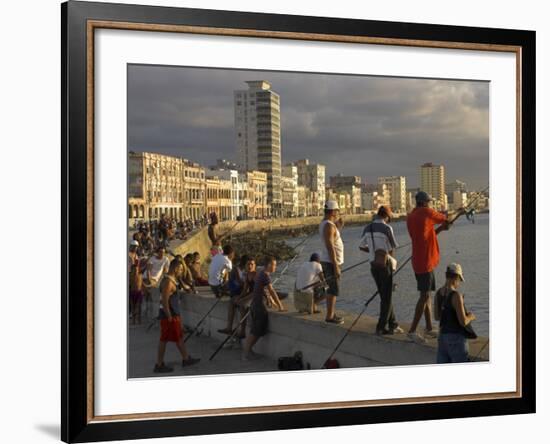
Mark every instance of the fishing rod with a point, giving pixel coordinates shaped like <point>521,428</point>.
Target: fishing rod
<point>482,348</point>
<point>351,267</point>
<point>348,331</point>
<point>243,319</point>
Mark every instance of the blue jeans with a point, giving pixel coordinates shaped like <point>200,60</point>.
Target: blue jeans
<point>452,347</point>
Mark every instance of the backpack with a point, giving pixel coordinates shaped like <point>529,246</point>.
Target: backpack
<point>295,362</point>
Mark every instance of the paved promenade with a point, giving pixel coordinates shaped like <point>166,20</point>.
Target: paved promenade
<point>143,352</point>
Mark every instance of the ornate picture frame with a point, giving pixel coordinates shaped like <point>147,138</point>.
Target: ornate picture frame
<point>80,20</point>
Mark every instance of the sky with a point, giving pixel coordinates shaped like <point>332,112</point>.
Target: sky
<point>355,125</point>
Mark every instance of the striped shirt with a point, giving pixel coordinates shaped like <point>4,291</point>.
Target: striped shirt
<point>378,235</point>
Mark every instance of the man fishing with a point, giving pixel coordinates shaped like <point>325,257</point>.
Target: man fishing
<point>213,234</point>
<point>421,224</point>
<point>332,256</point>
<point>378,240</point>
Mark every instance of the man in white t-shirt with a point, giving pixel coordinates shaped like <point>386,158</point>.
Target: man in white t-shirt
<point>219,269</point>
<point>310,285</point>
<point>156,267</point>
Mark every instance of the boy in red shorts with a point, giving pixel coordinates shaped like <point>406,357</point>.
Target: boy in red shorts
<point>170,319</point>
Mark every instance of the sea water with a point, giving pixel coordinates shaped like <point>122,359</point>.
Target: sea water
<point>466,243</point>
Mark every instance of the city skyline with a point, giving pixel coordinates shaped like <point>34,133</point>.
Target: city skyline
<point>398,123</point>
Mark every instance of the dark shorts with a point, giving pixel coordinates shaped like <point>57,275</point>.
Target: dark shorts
<point>425,281</point>
<point>332,282</point>
<point>260,318</point>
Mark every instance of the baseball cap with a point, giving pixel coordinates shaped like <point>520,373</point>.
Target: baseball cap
<point>422,196</point>
<point>315,257</point>
<point>331,205</point>
<point>455,268</point>
<point>134,243</point>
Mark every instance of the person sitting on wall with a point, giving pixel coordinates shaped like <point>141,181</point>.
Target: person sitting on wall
<point>218,272</point>
<point>196,269</point>
<point>185,282</point>
<point>307,294</point>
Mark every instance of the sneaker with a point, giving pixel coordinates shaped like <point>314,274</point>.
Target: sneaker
<point>397,330</point>
<point>415,337</point>
<point>335,320</point>
<point>189,361</point>
<point>431,333</point>
<point>162,368</point>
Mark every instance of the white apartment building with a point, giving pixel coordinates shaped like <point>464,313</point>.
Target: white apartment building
<point>289,187</point>
<point>397,186</point>
<point>236,203</point>
<point>258,136</point>
<point>313,177</point>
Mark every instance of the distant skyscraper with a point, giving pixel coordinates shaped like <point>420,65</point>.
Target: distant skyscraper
<point>397,186</point>
<point>432,181</point>
<point>258,136</point>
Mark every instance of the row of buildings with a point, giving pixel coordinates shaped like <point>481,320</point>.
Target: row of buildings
<point>162,184</point>
<point>259,185</point>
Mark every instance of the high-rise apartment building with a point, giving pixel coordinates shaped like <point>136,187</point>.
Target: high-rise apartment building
<point>432,181</point>
<point>258,136</point>
<point>397,187</point>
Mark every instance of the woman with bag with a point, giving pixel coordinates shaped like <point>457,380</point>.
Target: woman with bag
<point>454,319</point>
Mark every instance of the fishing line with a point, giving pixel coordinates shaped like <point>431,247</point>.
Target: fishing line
<point>394,274</point>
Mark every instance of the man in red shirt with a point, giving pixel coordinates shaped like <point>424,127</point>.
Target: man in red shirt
<point>425,258</point>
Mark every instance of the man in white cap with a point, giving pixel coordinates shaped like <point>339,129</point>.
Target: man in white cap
<point>332,256</point>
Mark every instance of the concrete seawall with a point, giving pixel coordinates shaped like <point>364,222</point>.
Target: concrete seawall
<point>291,331</point>
<point>201,243</point>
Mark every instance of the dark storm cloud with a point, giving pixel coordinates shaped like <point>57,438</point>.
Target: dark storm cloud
<point>366,126</point>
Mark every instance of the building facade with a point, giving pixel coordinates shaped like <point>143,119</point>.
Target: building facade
<point>155,186</point>
<point>194,189</point>
<point>432,181</point>
<point>450,189</point>
<point>289,188</point>
<point>257,206</point>
<point>258,136</point>
<point>397,187</point>
<point>349,186</point>
<point>313,176</point>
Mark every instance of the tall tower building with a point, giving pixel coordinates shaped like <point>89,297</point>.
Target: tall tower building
<point>397,187</point>
<point>258,136</point>
<point>432,181</point>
